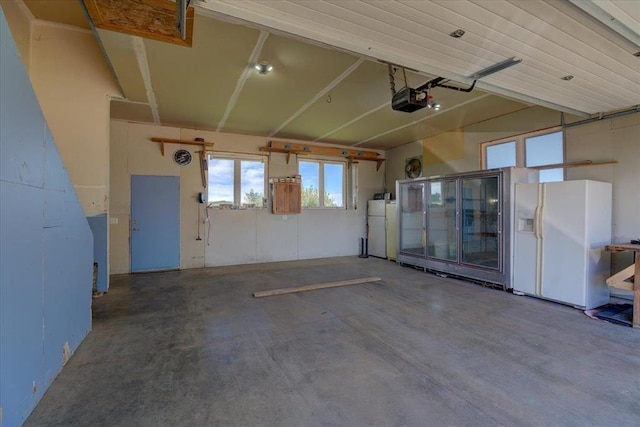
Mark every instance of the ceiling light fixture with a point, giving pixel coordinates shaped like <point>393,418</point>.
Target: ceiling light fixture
<point>495,68</point>
<point>566,78</point>
<point>457,33</point>
<point>433,104</point>
<point>263,67</point>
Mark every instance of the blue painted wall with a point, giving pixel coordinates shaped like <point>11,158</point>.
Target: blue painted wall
<point>100,228</point>
<point>46,247</point>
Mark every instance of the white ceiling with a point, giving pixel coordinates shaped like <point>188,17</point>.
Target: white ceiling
<point>554,38</point>
<point>330,84</point>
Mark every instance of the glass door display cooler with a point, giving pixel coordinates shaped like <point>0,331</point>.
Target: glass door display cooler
<point>411,228</point>
<point>462,226</point>
<point>442,221</point>
<point>480,226</point>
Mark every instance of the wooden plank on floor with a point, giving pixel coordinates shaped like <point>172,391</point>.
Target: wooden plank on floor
<point>282,291</point>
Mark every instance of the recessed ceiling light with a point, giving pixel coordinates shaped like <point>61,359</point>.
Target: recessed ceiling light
<point>457,33</point>
<point>263,67</point>
<point>567,78</point>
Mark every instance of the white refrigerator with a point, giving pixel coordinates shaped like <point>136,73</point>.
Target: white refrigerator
<point>376,224</point>
<point>561,229</point>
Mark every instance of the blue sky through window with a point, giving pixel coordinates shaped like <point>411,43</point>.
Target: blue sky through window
<point>220,181</point>
<point>501,155</point>
<point>333,175</point>
<point>544,149</point>
<point>332,180</point>
<point>540,150</point>
<point>310,172</point>
<point>251,178</point>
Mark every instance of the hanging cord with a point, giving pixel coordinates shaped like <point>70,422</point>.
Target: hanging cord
<point>392,81</point>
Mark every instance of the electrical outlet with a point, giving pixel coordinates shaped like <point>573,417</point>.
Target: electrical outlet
<point>113,220</point>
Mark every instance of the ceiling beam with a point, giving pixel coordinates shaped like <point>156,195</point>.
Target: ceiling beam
<point>423,118</point>
<point>352,121</point>
<point>253,58</point>
<point>143,64</point>
<point>319,95</point>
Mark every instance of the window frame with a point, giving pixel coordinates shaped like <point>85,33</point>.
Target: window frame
<point>321,162</point>
<point>237,177</point>
<point>520,143</point>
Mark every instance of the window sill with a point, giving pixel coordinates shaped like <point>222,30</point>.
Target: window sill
<point>324,208</point>
<point>217,208</point>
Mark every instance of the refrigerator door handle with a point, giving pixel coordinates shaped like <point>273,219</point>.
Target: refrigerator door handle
<point>541,200</point>
<point>536,223</point>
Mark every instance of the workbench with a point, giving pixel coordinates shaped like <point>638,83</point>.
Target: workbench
<point>619,280</point>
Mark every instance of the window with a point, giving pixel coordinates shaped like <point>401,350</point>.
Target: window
<point>529,150</point>
<point>545,150</point>
<point>322,184</point>
<point>236,182</point>
<point>501,155</point>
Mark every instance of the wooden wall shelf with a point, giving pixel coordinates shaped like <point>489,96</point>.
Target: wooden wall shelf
<point>305,149</point>
<point>163,141</point>
<point>579,164</point>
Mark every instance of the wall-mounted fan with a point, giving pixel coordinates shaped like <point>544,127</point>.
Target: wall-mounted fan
<point>413,167</point>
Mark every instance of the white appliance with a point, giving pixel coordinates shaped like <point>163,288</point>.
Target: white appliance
<point>392,230</point>
<point>376,224</point>
<point>561,229</point>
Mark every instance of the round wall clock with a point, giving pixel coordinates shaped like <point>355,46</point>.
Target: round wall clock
<point>182,157</point>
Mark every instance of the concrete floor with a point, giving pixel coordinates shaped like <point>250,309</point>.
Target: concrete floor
<point>194,348</point>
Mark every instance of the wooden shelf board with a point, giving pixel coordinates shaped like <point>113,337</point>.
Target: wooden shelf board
<point>163,141</point>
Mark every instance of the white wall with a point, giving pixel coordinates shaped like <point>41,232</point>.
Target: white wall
<point>236,236</point>
<point>395,163</point>
<point>614,139</point>
<point>73,84</point>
